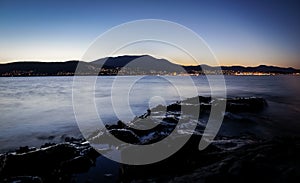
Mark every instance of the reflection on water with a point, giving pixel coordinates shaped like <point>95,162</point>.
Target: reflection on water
<point>35,110</point>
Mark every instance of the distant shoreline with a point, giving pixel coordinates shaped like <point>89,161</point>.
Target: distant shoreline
<point>240,75</point>
<point>126,65</point>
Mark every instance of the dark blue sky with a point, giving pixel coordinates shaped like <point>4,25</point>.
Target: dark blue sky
<point>238,32</point>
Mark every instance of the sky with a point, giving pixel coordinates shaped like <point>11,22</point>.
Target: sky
<point>238,32</point>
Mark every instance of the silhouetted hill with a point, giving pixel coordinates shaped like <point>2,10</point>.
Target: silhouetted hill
<point>262,68</point>
<point>44,68</point>
<point>140,64</point>
<point>119,61</point>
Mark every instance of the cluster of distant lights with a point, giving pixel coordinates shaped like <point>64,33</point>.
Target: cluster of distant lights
<point>253,74</point>
<point>258,74</point>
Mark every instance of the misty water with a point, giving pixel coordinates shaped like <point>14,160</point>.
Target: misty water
<point>36,110</point>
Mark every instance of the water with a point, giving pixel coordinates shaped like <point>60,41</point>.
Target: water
<point>35,110</point>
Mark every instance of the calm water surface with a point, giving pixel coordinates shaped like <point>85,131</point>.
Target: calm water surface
<point>35,110</point>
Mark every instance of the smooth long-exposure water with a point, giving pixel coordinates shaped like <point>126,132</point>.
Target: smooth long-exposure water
<point>35,110</point>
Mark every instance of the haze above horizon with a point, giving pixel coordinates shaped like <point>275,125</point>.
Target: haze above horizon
<point>239,33</point>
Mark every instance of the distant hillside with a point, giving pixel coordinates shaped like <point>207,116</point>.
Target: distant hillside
<point>43,68</point>
<point>261,68</point>
<point>134,65</point>
<point>143,62</point>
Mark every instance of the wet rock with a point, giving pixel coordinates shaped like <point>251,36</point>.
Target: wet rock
<point>119,125</point>
<point>262,161</point>
<point>235,105</point>
<point>135,136</point>
<point>174,107</point>
<point>125,135</point>
<point>73,140</point>
<point>251,104</point>
<point>172,115</point>
<point>52,163</point>
<point>227,159</point>
<point>76,165</point>
<point>39,161</point>
<point>23,179</point>
<point>90,152</point>
<point>197,100</point>
<point>108,175</point>
<point>47,145</point>
<point>25,149</point>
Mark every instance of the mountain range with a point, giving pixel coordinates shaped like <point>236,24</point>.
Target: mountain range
<point>127,65</point>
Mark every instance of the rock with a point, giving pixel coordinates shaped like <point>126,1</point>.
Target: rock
<point>252,104</point>
<point>39,161</point>
<point>25,149</point>
<point>197,100</point>
<point>119,125</point>
<point>133,135</point>
<point>263,161</point>
<point>76,165</point>
<point>90,152</point>
<point>24,179</point>
<point>108,175</point>
<point>228,161</point>
<point>73,140</point>
<point>52,163</point>
<point>47,145</point>
<point>125,135</point>
<point>170,121</point>
<point>174,107</point>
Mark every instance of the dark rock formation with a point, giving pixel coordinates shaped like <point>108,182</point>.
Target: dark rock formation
<point>259,161</point>
<point>52,163</point>
<point>228,159</point>
<point>169,117</point>
<point>251,104</point>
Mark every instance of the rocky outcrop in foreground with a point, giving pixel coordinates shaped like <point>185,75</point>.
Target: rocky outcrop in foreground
<point>242,158</point>
<point>276,160</point>
<point>50,163</point>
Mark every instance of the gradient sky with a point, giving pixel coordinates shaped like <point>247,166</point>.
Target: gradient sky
<point>239,32</point>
